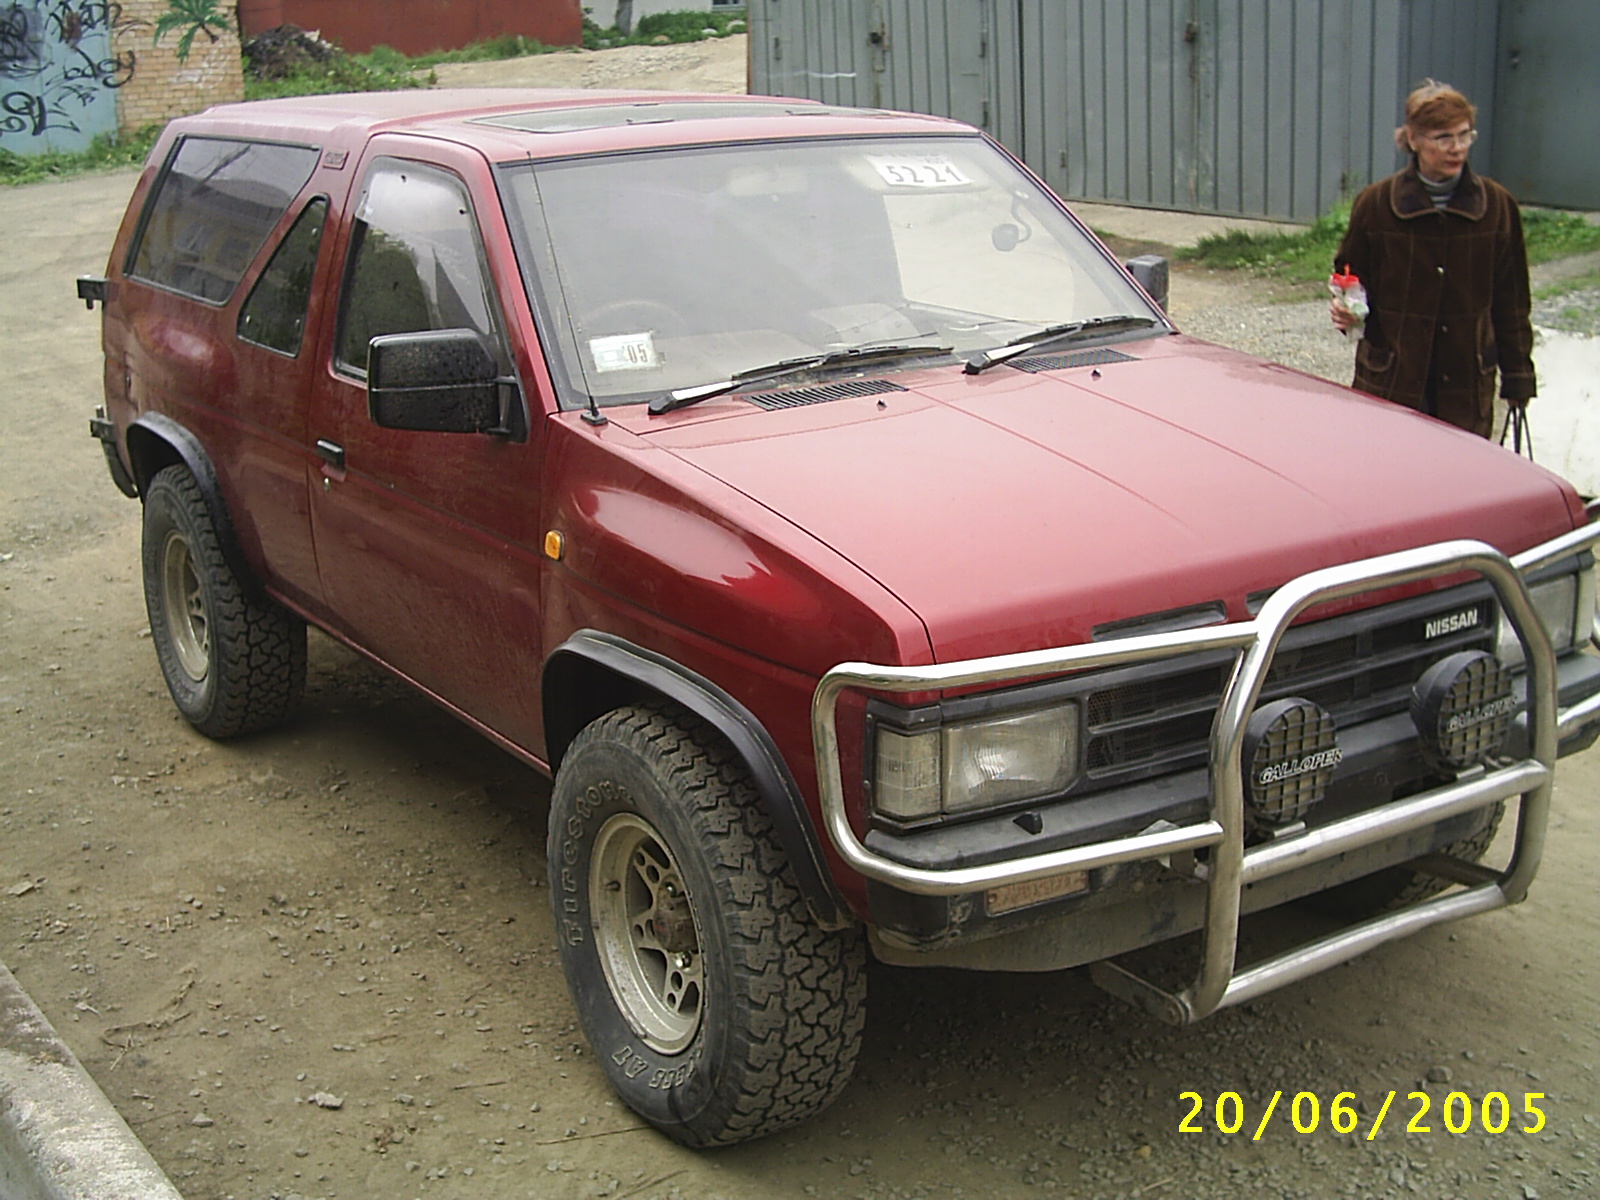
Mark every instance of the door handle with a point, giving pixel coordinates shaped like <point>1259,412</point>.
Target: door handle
<point>331,452</point>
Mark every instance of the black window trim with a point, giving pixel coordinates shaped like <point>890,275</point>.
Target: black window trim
<point>570,395</point>
<point>357,227</point>
<point>148,211</point>
<point>259,267</point>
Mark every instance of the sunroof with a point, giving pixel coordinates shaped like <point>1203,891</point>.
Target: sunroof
<point>643,112</point>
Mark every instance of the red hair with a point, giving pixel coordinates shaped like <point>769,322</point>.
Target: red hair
<point>1433,106</point>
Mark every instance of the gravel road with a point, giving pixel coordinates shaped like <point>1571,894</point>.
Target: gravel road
<point>319,963</point>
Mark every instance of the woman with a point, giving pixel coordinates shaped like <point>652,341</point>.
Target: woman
<point>1439,250</point>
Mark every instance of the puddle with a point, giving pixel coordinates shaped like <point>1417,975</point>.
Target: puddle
<point>1565,417</point>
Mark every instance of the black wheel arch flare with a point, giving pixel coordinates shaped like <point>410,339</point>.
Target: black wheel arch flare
<point>156,441</point>
<point>592,672</point>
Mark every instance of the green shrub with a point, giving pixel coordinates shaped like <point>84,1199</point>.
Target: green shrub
<point>683,26</point>
<point>385,60</point>
<point>674,26</point>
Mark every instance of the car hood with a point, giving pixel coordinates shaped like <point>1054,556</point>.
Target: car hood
<point>1012,511</point>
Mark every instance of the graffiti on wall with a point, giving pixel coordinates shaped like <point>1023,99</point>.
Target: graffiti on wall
<point>56,64</point>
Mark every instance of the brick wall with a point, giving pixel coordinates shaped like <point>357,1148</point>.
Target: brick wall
<point>162,87</point>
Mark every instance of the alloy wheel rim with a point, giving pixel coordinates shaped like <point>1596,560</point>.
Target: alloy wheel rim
<point>185,609</point>
<point>646,933</point>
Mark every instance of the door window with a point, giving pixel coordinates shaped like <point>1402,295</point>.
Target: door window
<point>416,263</point>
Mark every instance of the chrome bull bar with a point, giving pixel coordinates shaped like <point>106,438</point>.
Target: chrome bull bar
<point>1230,866</point>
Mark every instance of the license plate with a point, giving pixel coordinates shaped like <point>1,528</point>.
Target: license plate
<point>1012,896</point>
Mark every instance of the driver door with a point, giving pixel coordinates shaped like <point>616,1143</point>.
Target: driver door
<point>426,542</point>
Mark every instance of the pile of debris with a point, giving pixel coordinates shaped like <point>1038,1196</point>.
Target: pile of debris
<point>286,51</point>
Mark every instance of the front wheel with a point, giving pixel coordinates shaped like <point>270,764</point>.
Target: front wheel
<point>716,1006</point>
<point>1398,887</point>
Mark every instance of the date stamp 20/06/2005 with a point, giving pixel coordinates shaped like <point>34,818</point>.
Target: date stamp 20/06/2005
<point>1306,1113</point>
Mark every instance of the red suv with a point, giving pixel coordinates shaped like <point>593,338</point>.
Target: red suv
<point>870,560</point>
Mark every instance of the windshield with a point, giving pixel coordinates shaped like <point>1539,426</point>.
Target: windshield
<point>681,267</point>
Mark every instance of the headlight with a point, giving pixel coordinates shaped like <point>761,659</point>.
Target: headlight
<point>965,766</point>
<point>1556,602</point>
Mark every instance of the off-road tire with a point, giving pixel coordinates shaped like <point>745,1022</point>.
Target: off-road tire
<point>233,664</point>
<point>1396,887</point>
<point>764,1026</point>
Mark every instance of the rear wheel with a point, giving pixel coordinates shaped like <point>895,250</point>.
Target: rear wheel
<point>716,1006</point>
<point>234,665</point>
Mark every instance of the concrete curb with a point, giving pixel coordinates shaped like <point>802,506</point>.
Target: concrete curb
<point>1178,230</point>
<point>60,1139</point>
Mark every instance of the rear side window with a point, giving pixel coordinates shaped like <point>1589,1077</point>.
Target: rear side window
<point>213,208</point>
<point>275,314</point>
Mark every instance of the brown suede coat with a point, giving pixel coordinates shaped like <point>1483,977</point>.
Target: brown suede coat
<point>1448,289</point>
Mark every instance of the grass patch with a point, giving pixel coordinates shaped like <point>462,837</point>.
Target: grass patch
<point>1307,256</point>
<point>106,153</point>
<point>344,73</point>
<point>1578,283</point>
<point>511,45</point>
<point>1301,257</point>
<point>1551,234</point>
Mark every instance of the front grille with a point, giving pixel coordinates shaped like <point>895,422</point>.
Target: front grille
<point>1149,720</point>
<point>1135,700</point>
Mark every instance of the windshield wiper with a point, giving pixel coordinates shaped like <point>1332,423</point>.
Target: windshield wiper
<point>1052,333</point>
<point>683,397</point>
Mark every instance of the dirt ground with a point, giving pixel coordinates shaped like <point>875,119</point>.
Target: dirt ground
<point>319,963</point>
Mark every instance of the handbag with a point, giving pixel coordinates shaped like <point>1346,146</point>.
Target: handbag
<point>1517,426</point>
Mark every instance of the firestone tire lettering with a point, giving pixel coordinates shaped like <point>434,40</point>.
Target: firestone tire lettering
<point>780,1014</point>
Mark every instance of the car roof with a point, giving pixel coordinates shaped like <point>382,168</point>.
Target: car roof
<point>519,123</point>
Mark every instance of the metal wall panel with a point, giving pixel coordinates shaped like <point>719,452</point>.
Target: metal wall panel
<point>1264,108</point>
<point>1546,102</point>
<point>58,76</point>
<point>819,49</point>
<point>1286,106</point>
<point>1455,43</point>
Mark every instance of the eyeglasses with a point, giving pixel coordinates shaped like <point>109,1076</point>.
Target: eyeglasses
<point>1451,141</point>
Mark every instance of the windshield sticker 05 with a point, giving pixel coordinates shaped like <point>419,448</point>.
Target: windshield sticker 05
<point>624,352</point>
<point>918,171</point>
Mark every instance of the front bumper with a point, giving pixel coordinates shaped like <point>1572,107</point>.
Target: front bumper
<point>1217,831</point>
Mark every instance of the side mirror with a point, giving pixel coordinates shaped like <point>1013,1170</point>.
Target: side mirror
<point>1150,272</point>
<point>441,381</point>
